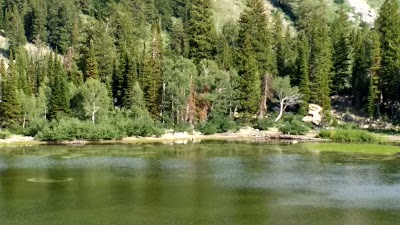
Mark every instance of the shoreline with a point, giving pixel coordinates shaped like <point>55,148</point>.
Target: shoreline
<point>177,138</point>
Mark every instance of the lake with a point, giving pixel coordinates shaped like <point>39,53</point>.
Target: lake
<point>195,184</point>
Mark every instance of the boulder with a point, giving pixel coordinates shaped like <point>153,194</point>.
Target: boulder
<point>314,114</point>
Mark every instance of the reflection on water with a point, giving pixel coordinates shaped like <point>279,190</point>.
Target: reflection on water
<point>209,183</point>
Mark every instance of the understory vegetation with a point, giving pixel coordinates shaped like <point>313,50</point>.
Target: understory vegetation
<point>347,135</point>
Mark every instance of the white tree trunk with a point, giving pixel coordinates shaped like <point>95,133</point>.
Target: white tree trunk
<point>280,112</point>
<point>93,116</point>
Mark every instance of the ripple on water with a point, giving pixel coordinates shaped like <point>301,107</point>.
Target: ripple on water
<point>48,180</point>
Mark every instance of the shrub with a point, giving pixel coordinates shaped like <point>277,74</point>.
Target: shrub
<point>217,125</point>
<point>294,127</point>
<point>347,135</point>
<point>4,134</point>
<point>207,128</point>
<point>264,124</point>
<point>68,129</point>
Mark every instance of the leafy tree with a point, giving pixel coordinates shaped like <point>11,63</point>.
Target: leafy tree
<point>95,100</point>
<point>285,94</point>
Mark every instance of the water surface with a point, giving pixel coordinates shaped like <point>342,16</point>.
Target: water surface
<point>208,183</point>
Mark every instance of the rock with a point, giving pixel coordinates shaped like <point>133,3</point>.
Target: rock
<point>314,114</point>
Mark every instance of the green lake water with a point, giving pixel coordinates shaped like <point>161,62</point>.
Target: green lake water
<point>208,183</point>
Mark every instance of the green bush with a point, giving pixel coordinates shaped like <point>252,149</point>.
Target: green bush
<point>68,129</point>
<point>4,134</point>
<point>294,127</point>
<point>264,124</point>
<point>207,128</point>
<point>217,125</point>
<point>347,135</point>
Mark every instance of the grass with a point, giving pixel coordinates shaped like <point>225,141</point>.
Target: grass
<point>352,148</point>
<point>349,135</point>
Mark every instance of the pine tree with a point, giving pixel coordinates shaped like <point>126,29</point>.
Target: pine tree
<point>314,24</point>
<point>374,73</point>
<point>153,72</point>
<point>59,102</point>
<point>91,68</point>
<point>37,30</point>
<point>10,106</point>
<point>15,29</point>
<point>59,22</point>
<point>388,27</point>
<point>202,34</point>
<point>254,25</point>
<point>340,34</point>
<point>250,79</point>
<point>303,71</point>
<point>361,64</point>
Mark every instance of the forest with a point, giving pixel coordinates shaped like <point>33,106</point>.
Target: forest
<point>107,69</point>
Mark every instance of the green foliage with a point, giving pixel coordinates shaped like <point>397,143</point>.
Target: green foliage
<point>348,135</point>
<point>264,124</point>
<point>294,127</point>
<point>4,134</point>
<point>217,125</point>
<point>202,34</point>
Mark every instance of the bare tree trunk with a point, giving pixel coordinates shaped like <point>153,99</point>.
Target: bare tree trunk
<point>280,112</point>
<point>24,122</point>
<point>264,97</point>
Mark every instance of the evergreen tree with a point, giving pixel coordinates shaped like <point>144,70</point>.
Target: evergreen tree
<point>91,68</point>
<point>250,79</point>
<point>340,34</point>
<point>15,29</point>
<point>361,64</point>
<point>10,106</point>
<point>314,24</point>
<point>303,71</point>
<point>59,22</point>
<point>202,34</point>
<point>388,27</point>
<point>37,29</point>
<point>254,26</point>
<point>59,101</point>
<point>153,72</point>
<point>374,73</point>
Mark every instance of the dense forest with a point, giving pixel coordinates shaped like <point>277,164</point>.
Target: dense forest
<point>134,67</point>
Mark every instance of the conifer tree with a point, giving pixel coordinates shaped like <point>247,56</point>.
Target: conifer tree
<point>91,68</point>
<point>37,30</point>
<point>202,34</point>
<point>361,64</point>
<point>59,21</point>
<point>314,24</point>
<point>10,106</point>
<point>303,71</point>
<point>15,29</point>
<point>388,27</point>
<point>153,72</point>
<point>254,25</point>
<point>340,34</point>
<point>250,79</point>
<point>374,73</point>
<point>59,102</point>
